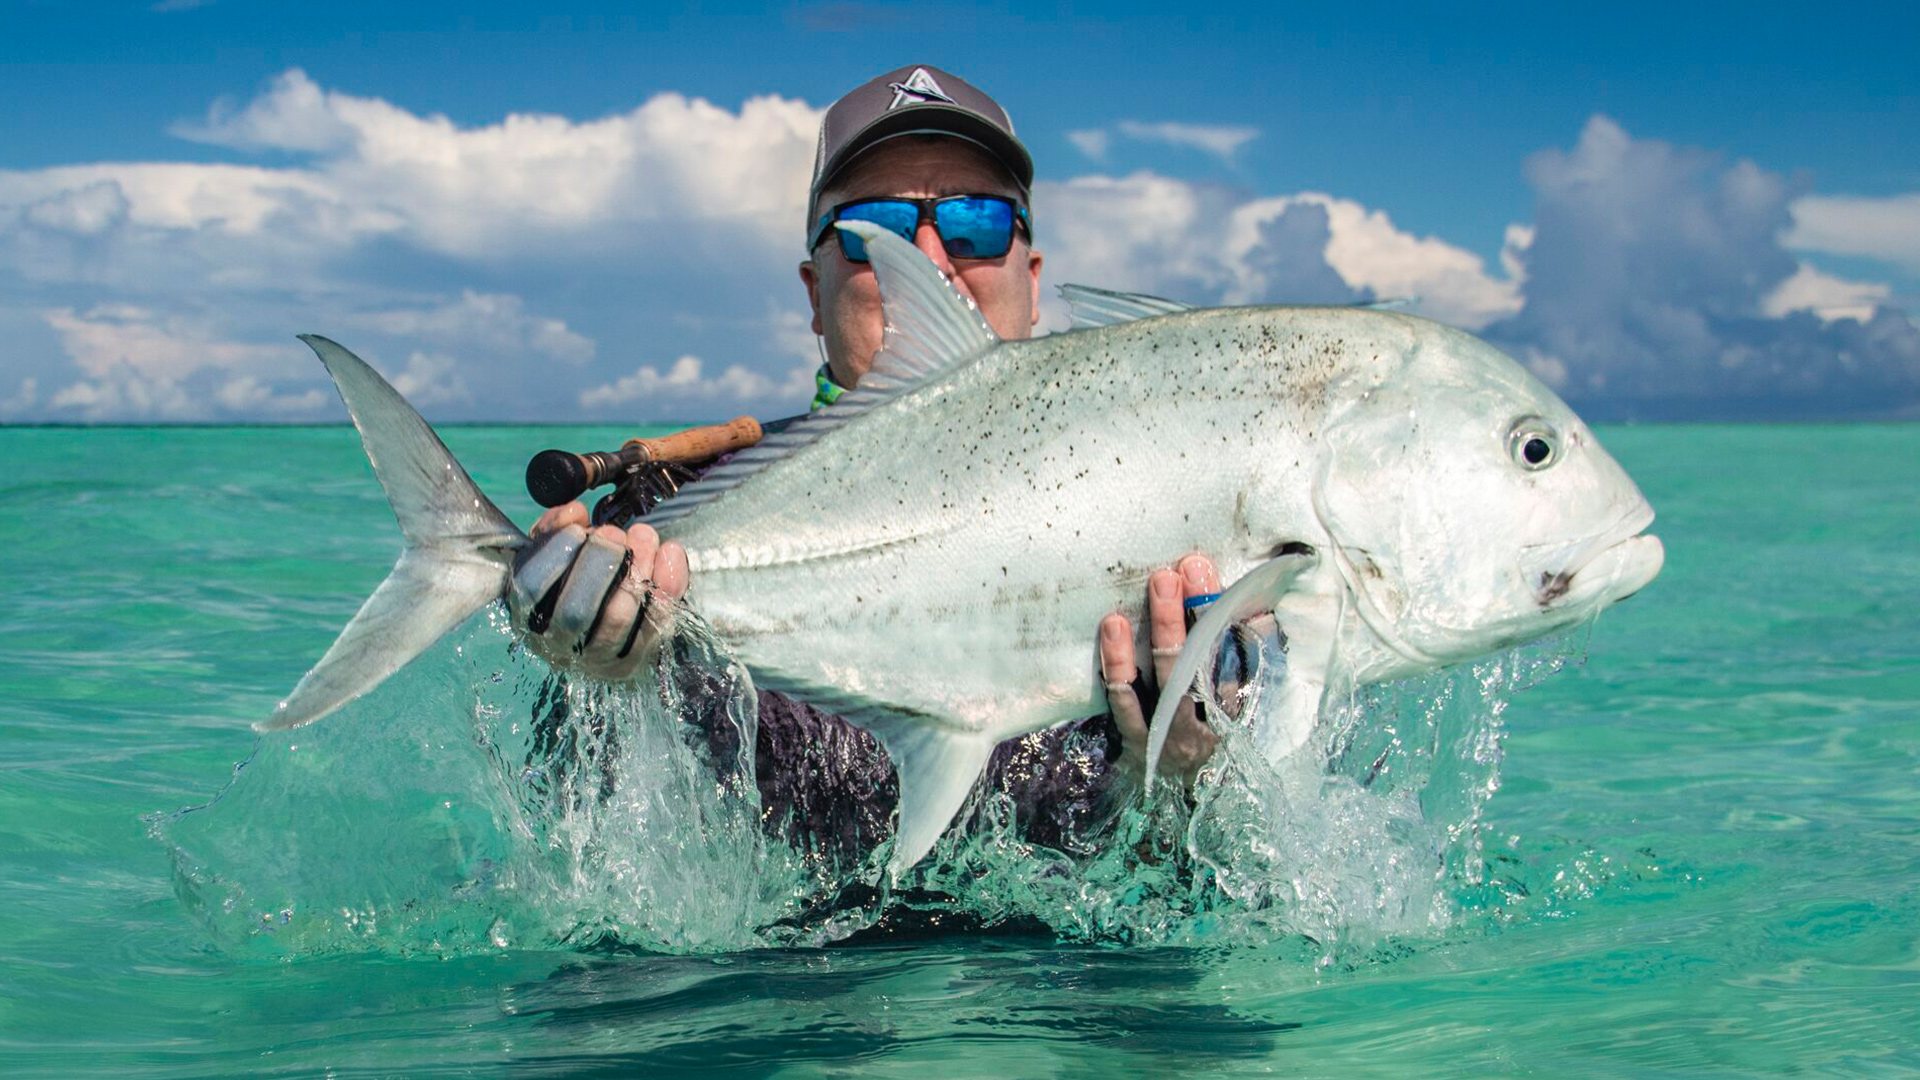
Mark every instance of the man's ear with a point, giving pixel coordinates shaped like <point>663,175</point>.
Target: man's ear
<point>810,277</point>
<point>1034,259</point>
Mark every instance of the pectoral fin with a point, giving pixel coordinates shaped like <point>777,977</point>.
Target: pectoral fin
<point>1259,591</point>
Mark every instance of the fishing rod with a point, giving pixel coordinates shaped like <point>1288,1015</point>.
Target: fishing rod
<point>642,471</point>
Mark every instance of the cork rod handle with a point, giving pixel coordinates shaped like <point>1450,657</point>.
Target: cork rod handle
<point>701,443</point>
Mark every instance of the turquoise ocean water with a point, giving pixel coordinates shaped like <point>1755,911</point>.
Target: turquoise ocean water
<point>1694,850</point>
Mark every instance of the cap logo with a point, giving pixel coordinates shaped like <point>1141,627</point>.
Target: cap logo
<point>917,90</point>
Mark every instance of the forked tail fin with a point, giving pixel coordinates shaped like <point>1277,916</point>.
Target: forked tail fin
<point>459,553</point>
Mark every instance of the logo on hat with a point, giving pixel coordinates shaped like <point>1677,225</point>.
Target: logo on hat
<point>917,90</point>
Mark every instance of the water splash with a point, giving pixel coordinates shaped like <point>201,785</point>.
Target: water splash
<point>477,803</point>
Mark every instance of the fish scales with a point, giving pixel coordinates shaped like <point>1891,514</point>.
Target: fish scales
<point>1042,485</point>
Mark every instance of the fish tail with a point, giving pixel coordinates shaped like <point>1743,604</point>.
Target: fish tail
<point>458,558</point>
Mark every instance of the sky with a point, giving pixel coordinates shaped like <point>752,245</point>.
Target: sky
<point>594,212</point>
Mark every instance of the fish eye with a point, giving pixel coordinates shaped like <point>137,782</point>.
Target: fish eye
<point>1534,443</point>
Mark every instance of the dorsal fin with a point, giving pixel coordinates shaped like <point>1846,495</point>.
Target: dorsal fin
<point>1093,307</point>
<point>931,330</point>
<point>1389,303</point>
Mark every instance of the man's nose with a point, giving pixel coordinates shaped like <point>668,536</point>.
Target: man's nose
<point>927,239</point>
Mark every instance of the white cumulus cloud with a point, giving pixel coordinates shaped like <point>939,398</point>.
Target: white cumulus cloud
<point>1825,296</point>
<point>495,321</point>
<point>25,396</point>
<point>1885,228</point>
<point>1204,243</point>
<point>1093,142</point>
<point>686,384</point>
<point>430,379</point>
<point>142,363</point>
<point>1371,254</point>
<point>400,233</point>
<point>479,191</point>
<point>1656,285</point>
<point>522,265</point>
<point>245,395</point>
<point>1221,140</point>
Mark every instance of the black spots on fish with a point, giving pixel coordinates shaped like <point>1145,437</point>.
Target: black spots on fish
<point>1290,547</point>
<point>1553,586</point>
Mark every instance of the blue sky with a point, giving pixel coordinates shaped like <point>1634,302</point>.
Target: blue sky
<point>1668,211</point>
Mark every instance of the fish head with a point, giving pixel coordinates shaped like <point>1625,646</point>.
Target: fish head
<point>1470,509</point>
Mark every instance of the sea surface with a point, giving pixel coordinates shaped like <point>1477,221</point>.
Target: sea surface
<point>1685,841</point>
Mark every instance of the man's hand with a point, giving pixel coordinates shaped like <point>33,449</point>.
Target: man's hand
<point>1189,742</point>
<point>614,593</point>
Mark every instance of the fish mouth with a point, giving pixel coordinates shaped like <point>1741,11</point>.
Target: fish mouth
<point>1603,570</point>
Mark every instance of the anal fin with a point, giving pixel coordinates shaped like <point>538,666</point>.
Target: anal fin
<point>937,767</point>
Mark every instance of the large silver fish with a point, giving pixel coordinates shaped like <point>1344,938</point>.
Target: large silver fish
<point>929,558</point>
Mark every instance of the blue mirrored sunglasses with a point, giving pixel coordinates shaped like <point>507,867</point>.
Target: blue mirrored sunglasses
<point>970,226</point>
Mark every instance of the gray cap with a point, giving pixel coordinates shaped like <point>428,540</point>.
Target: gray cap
<point>914,100</point>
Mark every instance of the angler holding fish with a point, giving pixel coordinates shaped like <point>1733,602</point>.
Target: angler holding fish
<point>927,556</point>
<point>933,159</point>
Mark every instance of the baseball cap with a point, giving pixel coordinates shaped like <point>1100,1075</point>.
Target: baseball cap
<point>914,100</point>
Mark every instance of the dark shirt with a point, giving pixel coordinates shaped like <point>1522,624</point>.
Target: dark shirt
<point>828,788</point>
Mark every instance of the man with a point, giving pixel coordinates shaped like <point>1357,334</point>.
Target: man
<point>923,152</point>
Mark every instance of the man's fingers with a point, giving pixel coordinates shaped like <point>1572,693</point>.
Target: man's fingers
<point>670,573</point>
<point>602,654</point>
<point>1199,582</point>
<point>667,584</point>
<point>1166,622</point>
<point>1118,669</point>
<point>592,600</point>
<point>1189,742</point>
<point>589,584</point>
<point>645,545</point>
<point>611,623</point>
<point>1174,598</point>
<point>559,517</point>
<point>539,568</point>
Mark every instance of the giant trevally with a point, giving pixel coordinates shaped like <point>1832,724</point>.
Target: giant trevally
<point>930,556</point>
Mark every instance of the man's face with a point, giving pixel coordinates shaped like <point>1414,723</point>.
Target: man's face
<point>846,301</point>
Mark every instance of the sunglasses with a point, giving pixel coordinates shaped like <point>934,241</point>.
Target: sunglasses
<point>970,226</point>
